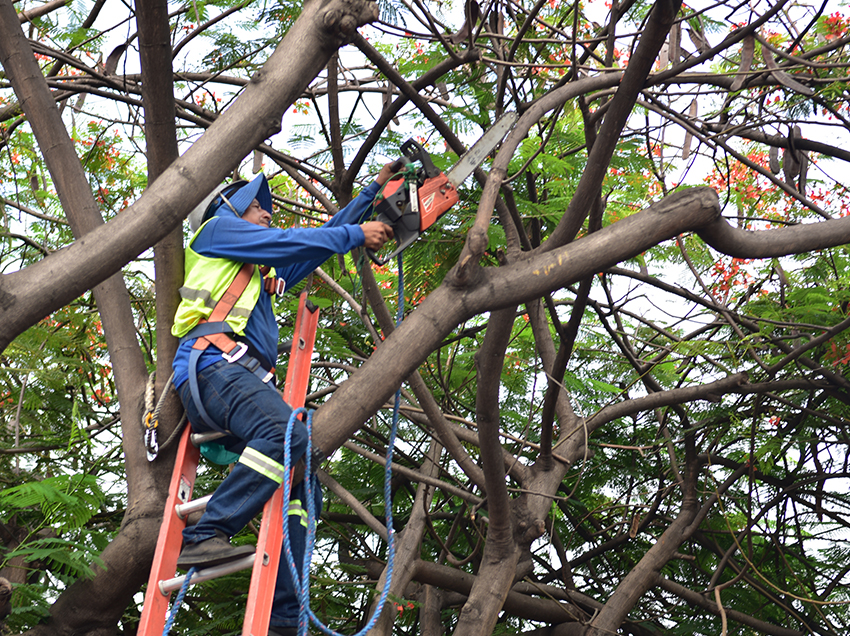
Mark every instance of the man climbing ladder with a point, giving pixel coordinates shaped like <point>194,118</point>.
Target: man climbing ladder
<point>224,365</point>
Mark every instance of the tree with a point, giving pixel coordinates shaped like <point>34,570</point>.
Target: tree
<point>624,392</point>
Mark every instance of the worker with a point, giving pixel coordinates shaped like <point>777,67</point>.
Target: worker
<point>223,369</point>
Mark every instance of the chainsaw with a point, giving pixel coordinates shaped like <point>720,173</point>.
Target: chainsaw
<point>419,193</point>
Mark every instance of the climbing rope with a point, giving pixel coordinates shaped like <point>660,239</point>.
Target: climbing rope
<point>301,580</point>
<point>178,602</point>
<point>148,421</point>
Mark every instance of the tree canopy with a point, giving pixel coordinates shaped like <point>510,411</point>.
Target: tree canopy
<point>624,353</point>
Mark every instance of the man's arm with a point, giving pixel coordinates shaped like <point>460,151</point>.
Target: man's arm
<point>375,233</point>
<point>295,252</point>
<point>360,207</point>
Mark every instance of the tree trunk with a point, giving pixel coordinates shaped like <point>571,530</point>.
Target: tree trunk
<point>162,151</point>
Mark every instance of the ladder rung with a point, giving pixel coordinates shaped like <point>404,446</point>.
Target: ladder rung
<point>169,585</point>
<point>185,509</point>
<point>200,438</point>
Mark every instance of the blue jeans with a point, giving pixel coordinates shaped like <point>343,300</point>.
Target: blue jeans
<point>255,416</point>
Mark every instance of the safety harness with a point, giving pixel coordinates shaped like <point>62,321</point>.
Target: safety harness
<point>214,331</point>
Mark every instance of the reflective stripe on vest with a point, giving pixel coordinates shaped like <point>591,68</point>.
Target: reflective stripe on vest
<point>189,294</point>
<point>266,466</point>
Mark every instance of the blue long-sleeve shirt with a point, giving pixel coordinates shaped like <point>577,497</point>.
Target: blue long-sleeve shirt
<point>293,252</point>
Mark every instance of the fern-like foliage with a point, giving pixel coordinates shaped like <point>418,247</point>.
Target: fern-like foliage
<point>66,502</point>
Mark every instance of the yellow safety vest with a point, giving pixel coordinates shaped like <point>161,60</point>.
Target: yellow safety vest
<point>206,280</point>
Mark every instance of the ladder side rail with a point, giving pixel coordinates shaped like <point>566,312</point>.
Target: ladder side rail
<point>270,540</point>
<point>170,537</point>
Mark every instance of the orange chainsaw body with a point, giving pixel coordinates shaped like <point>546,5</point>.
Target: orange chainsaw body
<point>436,196</point>
<point>416,196</point>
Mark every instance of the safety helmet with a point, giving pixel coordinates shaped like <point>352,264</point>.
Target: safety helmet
<point>231,198</point>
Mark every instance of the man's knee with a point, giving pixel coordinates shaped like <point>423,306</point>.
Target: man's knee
<point>272,447</point>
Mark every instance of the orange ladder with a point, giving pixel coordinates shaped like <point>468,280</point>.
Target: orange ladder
<point>179,505</point>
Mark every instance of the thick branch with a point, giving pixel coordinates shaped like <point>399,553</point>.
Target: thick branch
<point>471,250</point>
<point>422,331</point>
<point>711,391</point>
<point>161,137</point>
<point>620,109</point>
<point>797,239</point>
<point>489,361</point>
<point>643,575</point>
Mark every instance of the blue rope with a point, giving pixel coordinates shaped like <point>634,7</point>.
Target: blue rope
<point>301,581</point>
<point>169,623</point>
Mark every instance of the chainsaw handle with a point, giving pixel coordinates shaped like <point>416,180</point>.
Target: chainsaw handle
<point>399,164</point>
<point>373,256</point>
<point>403,242</point>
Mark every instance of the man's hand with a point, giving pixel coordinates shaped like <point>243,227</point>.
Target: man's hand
<point>386,172</point>
<point>376,234</point>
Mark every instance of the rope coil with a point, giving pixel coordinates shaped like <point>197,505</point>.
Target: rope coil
<point>149,422</point>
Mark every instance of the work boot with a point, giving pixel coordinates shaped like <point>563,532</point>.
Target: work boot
<point>283,631</point>
<point>215,551</point>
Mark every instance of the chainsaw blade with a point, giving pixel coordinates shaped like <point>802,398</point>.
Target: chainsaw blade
<point>476,155</point>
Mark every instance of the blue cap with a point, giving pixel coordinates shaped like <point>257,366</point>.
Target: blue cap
<point>242,197</point>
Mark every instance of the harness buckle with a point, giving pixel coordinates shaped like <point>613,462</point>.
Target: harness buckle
<point>243,349</point>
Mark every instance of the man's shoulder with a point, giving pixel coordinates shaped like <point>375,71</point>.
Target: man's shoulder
<point>224,229</point>
<point>218,231</point>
